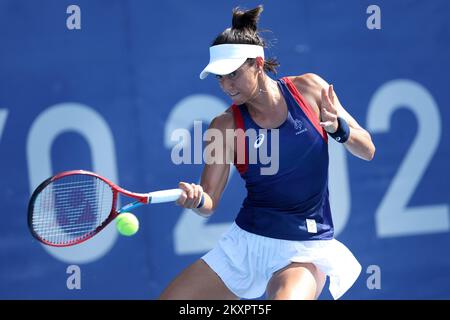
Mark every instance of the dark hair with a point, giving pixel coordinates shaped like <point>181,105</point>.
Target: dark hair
<point>244,30</point>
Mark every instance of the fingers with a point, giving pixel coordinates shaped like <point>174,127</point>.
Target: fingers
<point>328,111</point>
<point>326,115</point>
<point>324,98</point>
<point>328,99</point>
<point>328,120</point>
<point>326,124</point>
<point>331,94</point>
<point>191,195</point>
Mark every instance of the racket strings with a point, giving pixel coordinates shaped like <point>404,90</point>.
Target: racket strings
<point>71,208</point>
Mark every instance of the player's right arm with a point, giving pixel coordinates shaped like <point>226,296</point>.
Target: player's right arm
<point>215,173</point>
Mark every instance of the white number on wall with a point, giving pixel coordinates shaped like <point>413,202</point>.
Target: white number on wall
<point>78,118</point>
<point>394,217</point>
<point>192,233</point>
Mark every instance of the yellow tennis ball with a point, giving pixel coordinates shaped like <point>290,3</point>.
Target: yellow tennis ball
<point>127,224</point>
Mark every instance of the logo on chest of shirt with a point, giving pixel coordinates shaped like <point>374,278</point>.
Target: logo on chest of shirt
<point>298,126</point>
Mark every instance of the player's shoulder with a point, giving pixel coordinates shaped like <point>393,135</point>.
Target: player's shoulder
<point>223,121</point>
<point>310,85</point>
<point>309,81</point>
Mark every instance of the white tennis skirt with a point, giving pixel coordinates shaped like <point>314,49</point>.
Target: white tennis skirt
<point>246,262</point>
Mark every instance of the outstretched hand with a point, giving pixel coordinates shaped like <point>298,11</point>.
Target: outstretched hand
<point>191,195</point>
<point>328,111</point>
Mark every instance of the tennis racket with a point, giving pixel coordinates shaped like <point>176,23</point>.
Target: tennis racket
<point>73,206</point>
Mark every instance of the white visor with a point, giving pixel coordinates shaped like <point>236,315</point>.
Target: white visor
<point>226,58</point>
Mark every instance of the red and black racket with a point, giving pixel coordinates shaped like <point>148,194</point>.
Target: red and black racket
<point>73,206</point>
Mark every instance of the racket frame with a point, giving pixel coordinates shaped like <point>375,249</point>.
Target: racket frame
<point>141,199</point>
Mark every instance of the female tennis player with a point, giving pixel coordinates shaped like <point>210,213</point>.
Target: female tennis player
<point>281,243</point>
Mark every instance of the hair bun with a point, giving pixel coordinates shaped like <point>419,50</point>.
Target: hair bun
<point>246,19</point>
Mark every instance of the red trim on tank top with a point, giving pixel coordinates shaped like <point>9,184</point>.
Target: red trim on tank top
<point>304,105</point>
<point>239,124</point>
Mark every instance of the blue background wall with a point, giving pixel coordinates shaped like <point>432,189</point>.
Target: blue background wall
<point>106,98</point>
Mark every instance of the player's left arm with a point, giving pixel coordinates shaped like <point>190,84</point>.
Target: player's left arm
<point>359,142</point>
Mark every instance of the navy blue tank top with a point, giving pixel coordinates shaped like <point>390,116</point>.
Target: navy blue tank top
<point>293,203</point>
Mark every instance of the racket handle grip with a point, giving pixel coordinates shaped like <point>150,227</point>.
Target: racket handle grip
<point>164,195</point>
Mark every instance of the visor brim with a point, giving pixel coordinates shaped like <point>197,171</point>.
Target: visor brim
<point>222,67</point>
